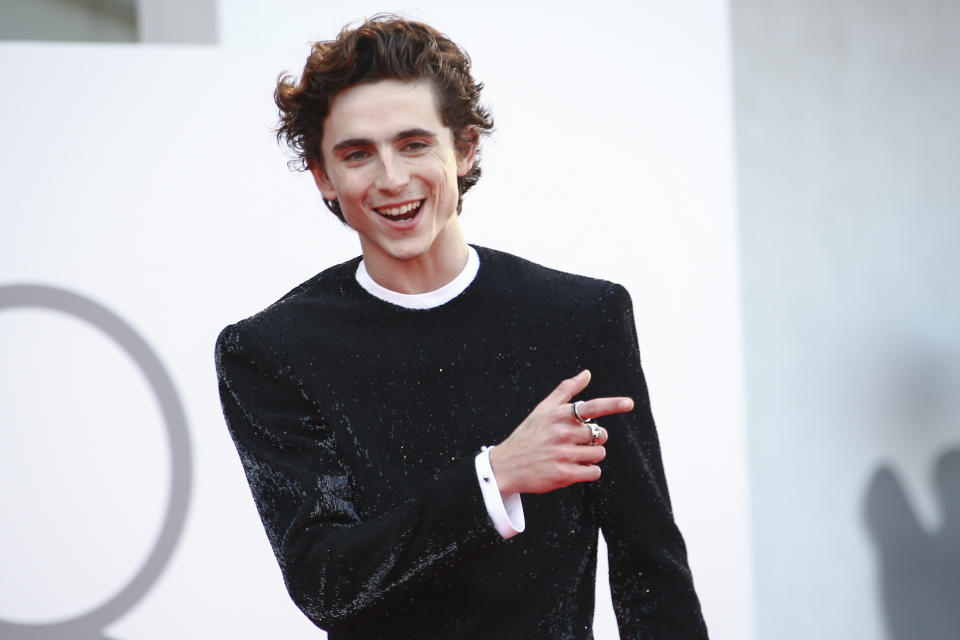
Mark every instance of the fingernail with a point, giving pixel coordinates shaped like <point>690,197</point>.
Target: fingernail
<point>626,405</point>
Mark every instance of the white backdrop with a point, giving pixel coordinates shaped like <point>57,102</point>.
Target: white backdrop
<point>146,180</point>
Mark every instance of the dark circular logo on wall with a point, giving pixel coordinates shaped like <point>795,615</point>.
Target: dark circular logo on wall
<point>90,625</point>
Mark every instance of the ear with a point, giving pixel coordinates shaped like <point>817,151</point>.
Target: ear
<point>323,181</point>
<point>466,146</point>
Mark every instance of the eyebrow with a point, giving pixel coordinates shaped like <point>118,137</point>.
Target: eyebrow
<point>367,142</point>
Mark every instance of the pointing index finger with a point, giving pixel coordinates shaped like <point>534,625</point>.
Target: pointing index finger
<point>599,407</point>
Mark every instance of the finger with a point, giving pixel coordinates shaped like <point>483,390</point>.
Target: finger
<point>579,434</point>
<point>584,473</point>
<point>604,436</point>
<point>588,454</point>
<point>569,388</point>
<point>585,435</point>
<point>599,407</point>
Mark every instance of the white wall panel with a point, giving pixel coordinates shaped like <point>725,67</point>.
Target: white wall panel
<point>848,131</point>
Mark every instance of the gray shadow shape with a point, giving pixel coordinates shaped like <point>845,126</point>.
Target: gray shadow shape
<point>89,626</point>
<point>919,570</point>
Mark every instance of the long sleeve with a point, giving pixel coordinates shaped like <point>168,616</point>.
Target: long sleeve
<point>358,422</point>
<point>338,563</point>
<point>650,580</point>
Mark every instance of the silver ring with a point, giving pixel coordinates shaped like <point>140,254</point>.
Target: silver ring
<point>594,432</point>
<point>576,412</point>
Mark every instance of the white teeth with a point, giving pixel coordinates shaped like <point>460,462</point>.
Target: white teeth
<point>394,212</point>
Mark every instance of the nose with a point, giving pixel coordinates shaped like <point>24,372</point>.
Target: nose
<point>393,176</point>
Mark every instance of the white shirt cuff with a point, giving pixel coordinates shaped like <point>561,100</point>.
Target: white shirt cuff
<point>506,513</point>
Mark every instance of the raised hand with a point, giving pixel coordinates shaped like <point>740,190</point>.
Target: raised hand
<point>919,569</point>
<point>552,448</point>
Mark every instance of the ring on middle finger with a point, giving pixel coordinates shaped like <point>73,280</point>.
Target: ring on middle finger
<point>594,432</point>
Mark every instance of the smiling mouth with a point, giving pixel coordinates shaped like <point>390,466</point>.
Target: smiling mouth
<point>402,212</point>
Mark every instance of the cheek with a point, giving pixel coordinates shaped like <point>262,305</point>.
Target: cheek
<point>350,187</point>
<point>446,169</point>
<point>445,160</point>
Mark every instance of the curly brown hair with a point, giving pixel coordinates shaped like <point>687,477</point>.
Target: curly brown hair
<point>384,47</point>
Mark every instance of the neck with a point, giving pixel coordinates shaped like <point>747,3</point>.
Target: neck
<point>425,272</point>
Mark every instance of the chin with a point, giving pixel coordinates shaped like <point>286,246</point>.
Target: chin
<point>410,252</point>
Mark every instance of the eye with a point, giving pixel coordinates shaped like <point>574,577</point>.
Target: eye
<point>357,155</point>
<point>415,146</point>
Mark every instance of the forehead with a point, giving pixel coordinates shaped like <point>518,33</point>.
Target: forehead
<point>378,110</point>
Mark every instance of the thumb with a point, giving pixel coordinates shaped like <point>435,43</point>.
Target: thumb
<point>569,388</point>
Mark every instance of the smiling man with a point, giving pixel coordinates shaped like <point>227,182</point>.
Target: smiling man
<point>391,163</point>
<point>406,420</point>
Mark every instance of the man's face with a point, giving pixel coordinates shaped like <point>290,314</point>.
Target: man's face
<point>392,165</point>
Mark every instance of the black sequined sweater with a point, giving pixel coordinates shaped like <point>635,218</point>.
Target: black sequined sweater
<point>357,422</point>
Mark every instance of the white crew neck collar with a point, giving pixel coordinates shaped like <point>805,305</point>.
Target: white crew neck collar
<point>427,300</point>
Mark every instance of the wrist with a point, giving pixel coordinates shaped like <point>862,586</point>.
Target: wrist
<point>504,481</point>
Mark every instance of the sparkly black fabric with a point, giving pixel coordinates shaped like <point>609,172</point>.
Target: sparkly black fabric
<point>357,422</point>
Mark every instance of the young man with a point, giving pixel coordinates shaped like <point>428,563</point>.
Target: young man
<point>363,402</point>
